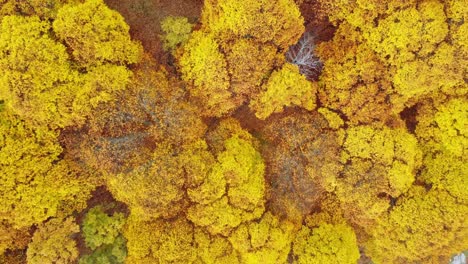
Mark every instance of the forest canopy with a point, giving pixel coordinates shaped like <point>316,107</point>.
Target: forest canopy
<point>226,131</point>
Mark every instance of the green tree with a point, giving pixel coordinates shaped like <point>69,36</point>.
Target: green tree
<point>109,253</point>
<point>176,32</point>
<point>102,234</point>
<point>99,228</point>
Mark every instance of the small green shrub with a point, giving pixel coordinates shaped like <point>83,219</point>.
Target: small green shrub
<point>107,254</point>
<point>176,31</point>
<point>101,229</point>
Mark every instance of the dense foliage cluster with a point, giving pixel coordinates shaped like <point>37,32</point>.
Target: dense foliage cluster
<point>253,145</point>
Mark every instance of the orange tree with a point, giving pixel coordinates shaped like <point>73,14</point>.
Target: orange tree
<point>302,154</point>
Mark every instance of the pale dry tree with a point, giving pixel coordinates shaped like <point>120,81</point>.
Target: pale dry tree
<point>302,54</point>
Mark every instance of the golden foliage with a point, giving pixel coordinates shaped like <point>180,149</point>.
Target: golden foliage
<point>286,87</point>
<point>53,242</point>
<point>300,164</point>
<point>203,67</point>
<point>232,192</point>
<point>442,129</point>
<point>250,64</point>
<point>326,243</point>
<point>378,164</point>
<point>224,158</point>
<point>96,34</point>
<point>31,174</point>
<point>423,226</point>
<point>278,21</point>
<point>267,240</point>
<point>239,44</point>
<point>354,80</point>
<point>160,241</point>
<point>39,82</point>
<point>45,9</point>
<point>12,239</point>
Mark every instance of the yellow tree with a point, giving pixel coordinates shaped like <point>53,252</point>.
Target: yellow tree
<point>267,240</point>
<point>232,192</point>
<point>31,173</point>
<point>53,242</point>
<point>278,21</point>
<point>12,239</point>
<point>423,227</point>
<point>250,64</point>
<point>326,243</point>
<point>39,82</point>
<point>214,249</point>
<point>203,67</point>
<point>159,241</point>
<point>175,241</point>
<point>36,75</point>
<point>239,44</point>
<point>442,131</point>
<point>354,81</point>
<point>122,134</point>
<point>147,144</point>
<point>285,87</point>
<point>379,164</point>
<point>162,177</point>
<point>45,9</point>
<point>96,34</point>
<point>420,53</point>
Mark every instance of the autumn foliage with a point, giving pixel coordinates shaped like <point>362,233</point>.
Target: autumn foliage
<point>248,142</point>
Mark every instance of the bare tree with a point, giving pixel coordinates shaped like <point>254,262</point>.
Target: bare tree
<point>302,55</point>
